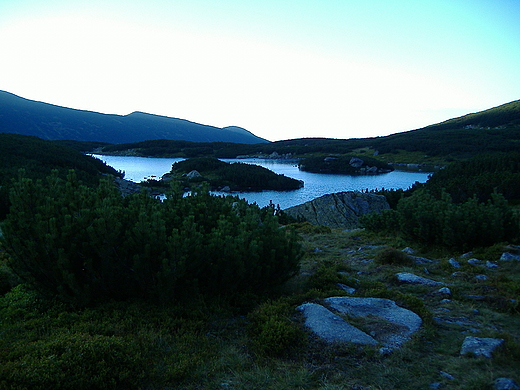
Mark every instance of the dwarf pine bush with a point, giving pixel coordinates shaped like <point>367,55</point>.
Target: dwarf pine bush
<point>87,245</point>
<point>439,221</point>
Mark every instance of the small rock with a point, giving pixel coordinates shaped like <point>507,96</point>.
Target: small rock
<point>426,271</point>
<point>446,300</point>
<point>466,255</point>
<point>481,277</point>
<point>421,260</point>
<point>447,376</point>
<point>454,263</point>
<point>344,287</point>
<point>407,277</point>
<point>491,265</point>
<point>506,256</point>
<point>317,250</point>
<point>458,274</point>
<point>435,385</point>
<point>445,291</point>
<point>480,346</point>
<point>408,250</point>
<point>385,351</point>
<point>474,262</point>
<point>505,384</point>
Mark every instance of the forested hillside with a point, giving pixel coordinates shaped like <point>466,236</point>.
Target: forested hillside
<point>496,129</point>
<point>38,158</point>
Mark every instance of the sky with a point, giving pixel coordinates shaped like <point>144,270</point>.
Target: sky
<point>281,69</point>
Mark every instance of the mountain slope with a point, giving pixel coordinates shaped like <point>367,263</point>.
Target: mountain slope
<point>494,130</point>
<point>47,121</point>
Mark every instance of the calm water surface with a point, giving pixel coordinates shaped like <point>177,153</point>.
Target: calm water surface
<point>315,184</point>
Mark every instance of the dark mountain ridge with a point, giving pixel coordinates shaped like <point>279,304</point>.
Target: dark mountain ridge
<point>51,122</point>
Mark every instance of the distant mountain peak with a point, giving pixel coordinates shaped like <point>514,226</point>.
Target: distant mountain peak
<point>51,122</point>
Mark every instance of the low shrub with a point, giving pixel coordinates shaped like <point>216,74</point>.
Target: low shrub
<point>392,256</point>
<point>272,332</point>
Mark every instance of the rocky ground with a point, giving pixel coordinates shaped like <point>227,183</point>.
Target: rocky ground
<point>440,320</point>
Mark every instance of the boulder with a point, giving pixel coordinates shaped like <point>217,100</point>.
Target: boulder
<point>390,324</point>
<point>506,256</point>
<point>407,277</point>
<point>331,327</point>
<point>340,210</point>
<point>356,162</point>
<point>505,384</point>
<point>454,263</point>
<point>480,346</point>
<point>193,174</point>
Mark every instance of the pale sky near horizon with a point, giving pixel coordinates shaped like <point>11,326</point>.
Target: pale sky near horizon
<point>280,69</point>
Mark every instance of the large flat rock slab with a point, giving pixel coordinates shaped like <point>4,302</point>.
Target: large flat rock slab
<point>331,327</point>
<point>390,324</point>
<point>381,320</point>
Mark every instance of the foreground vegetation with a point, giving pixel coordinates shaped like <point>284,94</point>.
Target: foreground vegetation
<point>38,158</point>
<point>200,292</point>
<point>208,344</point>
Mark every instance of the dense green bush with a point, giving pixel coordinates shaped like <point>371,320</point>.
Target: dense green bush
<point>392,256</point>
<point>85,245</point>
<point>479,176</point>
<point>429,220</point>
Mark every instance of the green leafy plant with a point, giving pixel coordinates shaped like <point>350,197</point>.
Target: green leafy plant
<point>86,245</point>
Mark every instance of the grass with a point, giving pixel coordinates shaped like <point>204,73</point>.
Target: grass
<point>213,346</point>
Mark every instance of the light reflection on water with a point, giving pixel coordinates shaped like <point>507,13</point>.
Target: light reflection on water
<point>315,184</point>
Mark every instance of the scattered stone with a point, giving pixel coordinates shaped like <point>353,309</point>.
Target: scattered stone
<point>454,263</point>
<point>444,301</point>
<point>408,250</point>
<point>421,260</point>
<point>435,385</point>
<point>426,271</point>
<point>506,256</point>
<point>444,291</point>
<point>480,346</point>
<point>193,174</point>
<point>481,277</point>
<point>505,384</point>
<point>458,274</point>
<point>385,351</point>
<point>466,255</point>
<point>476,297</point>
<point>356,162</point>
<point>491,265</point>
<point>474,262</point>
<point>331,327</point>
<point>340,210</point>
<point>407,277</point>
<point>394,323</point>
<point>447,375</point>
<point>347,289</point>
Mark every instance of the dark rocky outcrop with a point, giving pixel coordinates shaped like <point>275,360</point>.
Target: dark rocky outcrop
<point>340,210</point>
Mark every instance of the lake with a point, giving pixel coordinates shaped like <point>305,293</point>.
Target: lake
<point>138,169</point>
